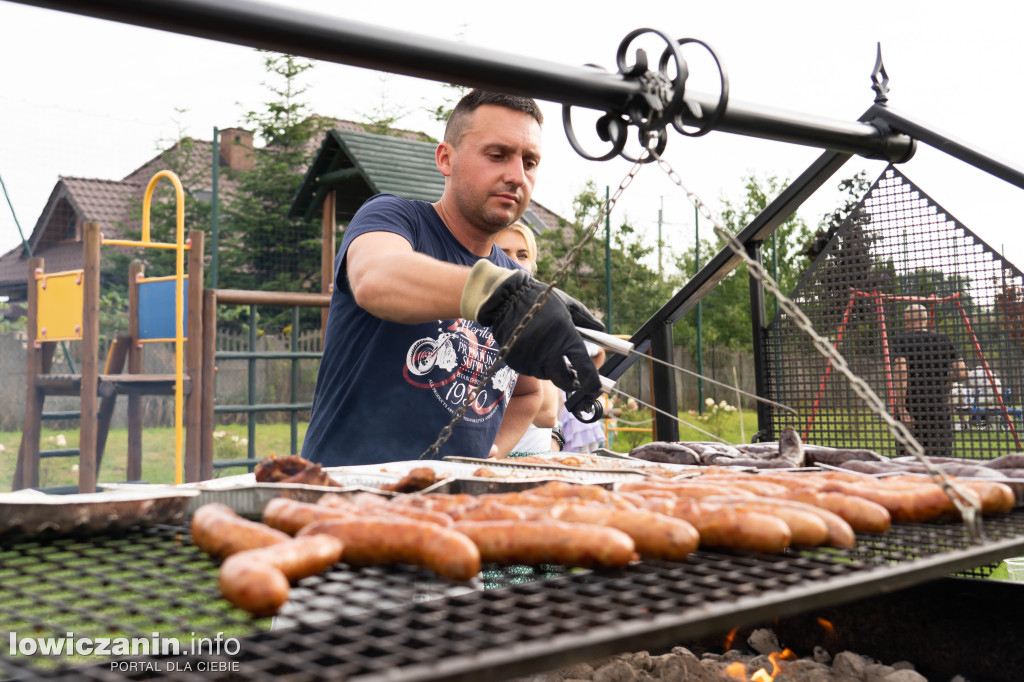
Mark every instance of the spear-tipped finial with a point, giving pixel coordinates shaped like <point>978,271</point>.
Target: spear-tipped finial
<point>880,80</point>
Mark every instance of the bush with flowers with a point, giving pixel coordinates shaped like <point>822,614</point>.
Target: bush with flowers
<point>714,414</point>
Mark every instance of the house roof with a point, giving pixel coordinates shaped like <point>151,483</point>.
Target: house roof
<point>361,164</point>
<point>112,203</point>
<point>72,201</point>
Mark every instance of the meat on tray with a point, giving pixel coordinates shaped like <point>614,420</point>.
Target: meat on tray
<point>786,453</point>
<point>292,469</point>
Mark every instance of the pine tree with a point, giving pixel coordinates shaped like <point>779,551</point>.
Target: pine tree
<point>261,247</point>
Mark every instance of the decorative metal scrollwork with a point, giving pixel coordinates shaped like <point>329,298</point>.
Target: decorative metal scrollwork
<point>661,101</point>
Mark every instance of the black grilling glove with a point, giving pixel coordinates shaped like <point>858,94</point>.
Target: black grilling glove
<point>500,298</point>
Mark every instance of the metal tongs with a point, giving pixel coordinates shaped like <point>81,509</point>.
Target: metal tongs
<point>589,410</point>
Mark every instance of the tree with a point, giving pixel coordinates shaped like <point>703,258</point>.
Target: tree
<point>637,290</point>
<point>726,308</point>
<point>262,248</point>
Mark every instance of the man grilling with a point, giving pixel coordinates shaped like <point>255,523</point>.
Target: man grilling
<point>925,365</point>
<point>424,300</point>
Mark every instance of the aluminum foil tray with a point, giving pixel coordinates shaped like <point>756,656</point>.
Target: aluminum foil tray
<point>248,498</point>
<point>487,486</point>
<point>31,512</point>
<point>396,470</point>
<point>602,468</point>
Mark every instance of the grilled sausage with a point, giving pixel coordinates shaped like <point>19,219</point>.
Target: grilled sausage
<point>257,580</point>
<point>549,542</point>
<point>489,510</point>
<point>915,503</point>
<point>291,516</point>
<point>727,526</point>
<point>684,489</point>
<point>220,532</point>
<point>377,540</point>
<point>810,526</point>
<point>589,493</point>
<point>752,484</point>
<point>864,516</point>
<point>996,498</point>
<point>993,496</point>
<point>655,535</point>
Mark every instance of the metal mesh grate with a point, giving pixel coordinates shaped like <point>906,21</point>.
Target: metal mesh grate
<point>899,249</point>
<point>404,624</point>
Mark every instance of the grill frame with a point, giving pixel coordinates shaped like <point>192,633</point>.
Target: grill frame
<point>403,624</point>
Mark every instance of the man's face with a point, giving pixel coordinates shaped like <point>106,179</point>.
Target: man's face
<point>492,171</point>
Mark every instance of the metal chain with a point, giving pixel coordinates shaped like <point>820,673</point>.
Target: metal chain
<point>966,504</point>
<point>568,260</point>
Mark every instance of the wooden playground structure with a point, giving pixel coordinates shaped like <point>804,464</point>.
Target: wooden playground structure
<point>64,307</point>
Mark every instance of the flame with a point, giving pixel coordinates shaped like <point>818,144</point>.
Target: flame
<point>763,675</point>
<point>729,638</point>
<point>736,671</point>
<point>827,626</point>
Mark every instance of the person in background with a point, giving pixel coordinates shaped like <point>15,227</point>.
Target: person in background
<point>925,363</point>
<point>423,302</point>
<point>518,242</point>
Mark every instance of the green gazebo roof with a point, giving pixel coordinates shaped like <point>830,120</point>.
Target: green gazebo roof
<point>360,165</point>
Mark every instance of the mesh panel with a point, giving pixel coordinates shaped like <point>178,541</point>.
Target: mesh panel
<point>902,284</point>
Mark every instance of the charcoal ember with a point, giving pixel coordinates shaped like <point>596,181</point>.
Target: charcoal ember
<point>681,664</point>
<point>821,454</point>
<point>665,452</point>
<point>850,664</point>
<point>1014,460</point>
<point>764,641</point>
<point>877,672</point>
<point>905,676</point>
<point>616,671</point>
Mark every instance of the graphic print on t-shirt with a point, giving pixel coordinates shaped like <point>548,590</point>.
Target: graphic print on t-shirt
<point>448,364</point>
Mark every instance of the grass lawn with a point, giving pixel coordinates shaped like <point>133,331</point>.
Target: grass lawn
<point>732,427</point>
<point>275,439</point>
<point>157,452</point>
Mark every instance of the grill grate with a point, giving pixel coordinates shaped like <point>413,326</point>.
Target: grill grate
<point>405,624</point>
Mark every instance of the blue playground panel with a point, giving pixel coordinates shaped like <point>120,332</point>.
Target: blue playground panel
<point>156,310</point>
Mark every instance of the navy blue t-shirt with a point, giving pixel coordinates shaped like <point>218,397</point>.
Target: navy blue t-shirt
<point>385,390</point>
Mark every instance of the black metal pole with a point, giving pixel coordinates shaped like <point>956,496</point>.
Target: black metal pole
<point>759,327</point>
<point>664,385</point>
<point>284,29</point>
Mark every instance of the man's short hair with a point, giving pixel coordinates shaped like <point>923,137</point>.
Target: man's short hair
<point>458,121</point>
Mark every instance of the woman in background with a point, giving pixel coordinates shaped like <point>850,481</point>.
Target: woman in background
<point>543,435</point>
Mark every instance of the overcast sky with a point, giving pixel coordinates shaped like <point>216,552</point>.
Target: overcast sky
<point>92,98</point>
